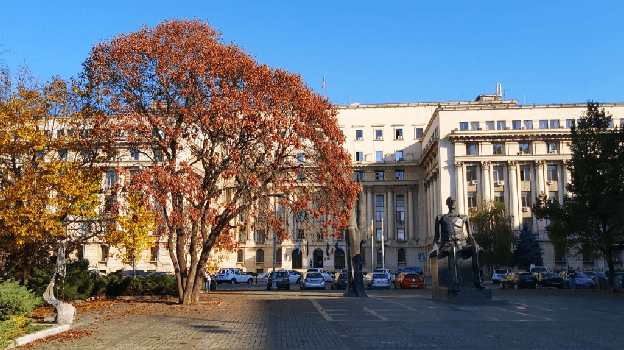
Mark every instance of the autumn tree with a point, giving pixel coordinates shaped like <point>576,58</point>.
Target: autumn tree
<point>493,231</point>
<point>131,231</point>
<point>46,188</point>
<point>221,133</point>
<point>592,217</point>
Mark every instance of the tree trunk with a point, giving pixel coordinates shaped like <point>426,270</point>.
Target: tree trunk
<point>355,282</point>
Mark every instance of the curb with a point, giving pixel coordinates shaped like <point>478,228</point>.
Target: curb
<point>38,335</point>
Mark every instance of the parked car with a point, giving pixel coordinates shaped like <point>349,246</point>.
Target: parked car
<point>295,276</point>
<point>538,269</point>
<point>377,280</point>
<point>409,280</point>
<point>387,272</point>
<point>550,279</point>
<point>594,276</point>
<point>519,280</point>
<point>577,280</point>
<point>282,281</point>
<point>339,281</point>
<point>312,280</point>
<point>414,269</point>
<point>499,274</point>
<point>233,276</point>
<point>326,275</point>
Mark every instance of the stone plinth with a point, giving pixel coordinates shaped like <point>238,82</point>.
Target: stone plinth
<point>65,314</point>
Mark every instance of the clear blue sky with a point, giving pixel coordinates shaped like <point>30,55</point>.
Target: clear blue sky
<point>369,51</point>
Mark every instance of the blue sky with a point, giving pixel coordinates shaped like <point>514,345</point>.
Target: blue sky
<point>369,51</point>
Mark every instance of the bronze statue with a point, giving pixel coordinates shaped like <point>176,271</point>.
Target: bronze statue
<point>449,241</point>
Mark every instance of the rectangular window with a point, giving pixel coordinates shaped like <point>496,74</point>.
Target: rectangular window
<point>528,221</point>
<point>471,173</point>
<point>553,195</point>
<point>103,253</point>
<point>472,200</point>
<point>528,124</point>
<point>359,156</point>
<point>400,234</point>
<point>524,147</point>
<point>501,125</point>
<point>154,254</point>
<point>419,133</point>
<point>610,123</point>
<point>499,196</point>
<point>516,124</point>
<point>489,125</point>
<point>359,135</point>
<point>379,175</point>
<point>543,124</point>
<point>378,134</point>
<point>111,178</point>
<point>569,123</point>
<point>158,155</point>
<point>525,173</point>
<point>399,156</point>
<point>379,207</point>
<point>134,154</point>
<point>622,123</point>
<point>300,157</point>
<point>472,149</point>
<point>526,199</point>
<point>552,147</point>
<point>63,154</point>
<point>497,148</point>
<point>398,134</point>
<point>551,171</point>
<point>474,125</point>
<point>359,176</point>
<point>399,175</point>
<point>379,156</point>
<point>554,124</point>
<point>260,236</point>
<point>497,173</point>
<point>400,208</point>
<point>379,234</point>
<point>300,234</point>
<point>463,126</point>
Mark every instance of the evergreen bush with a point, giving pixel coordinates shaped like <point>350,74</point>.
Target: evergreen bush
<point>79,282</point>
<point>16,300</point>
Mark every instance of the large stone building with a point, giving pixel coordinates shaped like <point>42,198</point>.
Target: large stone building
<point>409,157</point>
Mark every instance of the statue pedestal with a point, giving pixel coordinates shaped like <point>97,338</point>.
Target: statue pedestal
<point>65,313</point>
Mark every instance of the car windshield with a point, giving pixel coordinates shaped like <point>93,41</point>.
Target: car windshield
<point>280,274</point>
<point>379,275</point>
<point>580,274</point>
<point>539,269</point>
<point>412,275</point>
<point>550,274</point>
<point>500,272</point>
<point>314,275</point>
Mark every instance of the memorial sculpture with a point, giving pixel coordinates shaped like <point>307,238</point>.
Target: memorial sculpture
<point>449,240</point>
<point>64,312</point>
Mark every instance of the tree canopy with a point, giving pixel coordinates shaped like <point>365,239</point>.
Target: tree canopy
<point>493,231</point>
<point>528,250</point>
<point>224,135</point>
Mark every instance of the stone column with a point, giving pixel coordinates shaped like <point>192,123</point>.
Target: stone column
<point>561,181</point>
<point>362,209</point>
<point>513,194</point>
<point>566,176</point>
<point>410,213</point>
<point>390,215</point>
<point>459,187</point>
<point>539,170</point>
<point>428,208</point>
<point>485,180</point>
<point>370,209</point>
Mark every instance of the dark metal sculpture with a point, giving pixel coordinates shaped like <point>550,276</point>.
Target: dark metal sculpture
<point>449,240</point>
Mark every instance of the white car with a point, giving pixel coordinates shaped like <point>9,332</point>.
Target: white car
<point>326,275</point>
<point>233,276</point>
<point>387,272</point>
<point>499,274</point>
<point>312,280</point>
<point>377,280</point>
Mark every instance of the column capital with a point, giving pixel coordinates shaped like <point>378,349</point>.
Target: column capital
<point>540,162</point>
<point>486,163</point>
<point>459,164</point>
<point>369,188</point>
<point>389,188</point>
<point>512,163</point>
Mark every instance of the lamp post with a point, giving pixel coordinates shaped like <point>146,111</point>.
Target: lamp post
<point>273,286</point>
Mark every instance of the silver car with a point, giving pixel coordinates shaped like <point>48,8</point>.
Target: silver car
<point>377,281</point>
<point>312,280</point>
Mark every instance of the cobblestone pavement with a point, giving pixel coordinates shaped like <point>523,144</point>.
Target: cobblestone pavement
<point>254,318</point>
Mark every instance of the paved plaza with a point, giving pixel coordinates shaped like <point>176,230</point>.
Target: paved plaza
<point>250,317</point>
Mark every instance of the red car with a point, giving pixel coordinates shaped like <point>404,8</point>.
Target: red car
<point>409,280</point>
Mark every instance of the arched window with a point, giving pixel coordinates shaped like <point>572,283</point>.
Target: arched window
<point>278,256</point>
<point>339,259</point>
<point>240,256</point>
<point>379,257</point>
<point>318,258</point>
<point>259,256</point>
<point>401,256</point>
<point>297,261</point>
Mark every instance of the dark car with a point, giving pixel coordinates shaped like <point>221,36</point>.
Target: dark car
<point>339,281</point>
<point>519,280</point>
<point>577,280</point>
<point>550,279</point>
<point>282,281</point>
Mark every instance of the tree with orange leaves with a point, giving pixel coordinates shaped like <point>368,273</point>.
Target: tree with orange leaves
<point>222,133</point>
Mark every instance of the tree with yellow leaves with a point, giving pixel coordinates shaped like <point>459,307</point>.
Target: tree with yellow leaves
<point>130,233</point>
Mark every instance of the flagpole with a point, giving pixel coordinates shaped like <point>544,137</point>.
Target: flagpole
<point>383,256</point>
<point>372,248</point>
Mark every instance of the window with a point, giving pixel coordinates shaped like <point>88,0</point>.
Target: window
<point>551,147</point>
<point>553,195</point>
<point>528,221</point>
<point>278,256</point>
<point>499,196</point>
<point>240,256</point>
<point>359,135</point>
<point>300,176</point>
<point>60,133</point>
<point>622,123</point>
<point>103,253</point>
<point>471,173</point>
<point>400,208</point>
<point>554,124</point>
<point>300,157</point>
<point>543,124</point>
<point>516,124</point>
<point>524,147</point>
<point>400,234</point>
<point>80,252</point>
<point>472,200</point>
<point>111,178</point>
<point>401,259</point>
<point>497,148</point>
<point>569,123</point>
<point>379,156</point>
<point>559,255</point>
<point>359,176</point>
<point>501,125</point>
<point>85,228</point>
<point>525,173</point>
<point>497,173</point>
<point>399,175</point>
<point>526,199</point>
<point>419,133</point>
<point>259,256</point>
<point>528,124</point>
<point>399,156</point>
<point>378,134</point>
<point>359,156</point>
<point>158,155</point>
<point>474,125</point>
<point>472,149</point>
<point>463,126</point>
<point>134,154</point>
<point>379,257</point>
<point>300,233</point>
<point>398,134</point>
<point>379,207</point>
<point>63,154</point>
<point>489,125</point>
<point>154,254</point>
<point>610,123</point>
<point>378,234</point>
<point>551,172</point>
<point>242,237</point>
<point>260,236</point>
<point>379,175</point>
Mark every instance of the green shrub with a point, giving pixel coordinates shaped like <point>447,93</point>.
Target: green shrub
<point>117,284</point>
<point>79,282</point>
<point>16,300</point>
<point>15,327</point>
<point>163,285</point>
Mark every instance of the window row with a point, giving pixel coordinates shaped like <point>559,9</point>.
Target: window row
<point>378,134</point>
<point>379,156</point>
<point>519,124</point>
<point>379,175</point>
<point>552,173</point>
<point>498,148</point>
